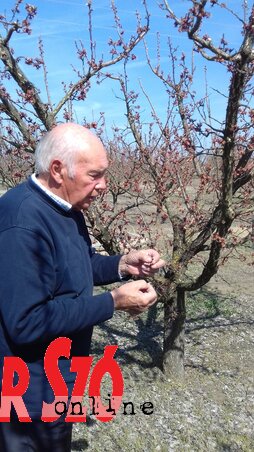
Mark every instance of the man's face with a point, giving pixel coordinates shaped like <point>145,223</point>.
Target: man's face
<point>88,181</point>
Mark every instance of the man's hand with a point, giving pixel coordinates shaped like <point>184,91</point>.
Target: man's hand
<point>140,263</point>
<point>134,297</point>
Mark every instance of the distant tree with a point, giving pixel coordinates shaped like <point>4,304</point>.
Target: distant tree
<point>182,184</point>
<point>25,113</point>
<point>193,171</point>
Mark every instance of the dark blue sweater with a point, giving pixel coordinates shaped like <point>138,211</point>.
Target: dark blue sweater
<point>47,273</point>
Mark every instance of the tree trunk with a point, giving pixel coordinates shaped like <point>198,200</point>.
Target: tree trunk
<point>174,324</point>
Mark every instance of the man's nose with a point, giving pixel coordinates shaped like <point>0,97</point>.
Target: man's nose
<point>101,184</point>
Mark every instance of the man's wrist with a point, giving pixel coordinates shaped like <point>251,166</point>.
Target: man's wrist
<point>123,269</point>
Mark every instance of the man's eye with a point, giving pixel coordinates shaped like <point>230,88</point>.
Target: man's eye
<point>97,175</point>
<point>94,177</point>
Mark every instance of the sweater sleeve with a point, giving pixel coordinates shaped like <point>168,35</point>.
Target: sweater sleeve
<point>105,268</point>
<point>30,307</point>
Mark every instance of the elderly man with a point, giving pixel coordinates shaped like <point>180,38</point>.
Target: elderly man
<point>48,269</point>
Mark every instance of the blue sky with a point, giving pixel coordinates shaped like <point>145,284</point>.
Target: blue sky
<point>62,22</point>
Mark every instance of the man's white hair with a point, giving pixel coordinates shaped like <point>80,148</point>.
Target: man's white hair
<point>63,143</point>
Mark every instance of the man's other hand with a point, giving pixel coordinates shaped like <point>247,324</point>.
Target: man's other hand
<point>140,263</point>
<point>134,297</point>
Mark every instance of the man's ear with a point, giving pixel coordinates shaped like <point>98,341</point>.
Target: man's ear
<point>56,171</point>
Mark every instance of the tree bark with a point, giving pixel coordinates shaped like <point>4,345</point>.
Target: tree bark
<point>174,327</point>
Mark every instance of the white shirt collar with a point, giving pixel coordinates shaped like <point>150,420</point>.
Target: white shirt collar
<point>61,202</point>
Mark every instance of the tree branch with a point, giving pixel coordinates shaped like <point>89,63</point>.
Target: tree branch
<point>14,115</point>
<point>27,87</point>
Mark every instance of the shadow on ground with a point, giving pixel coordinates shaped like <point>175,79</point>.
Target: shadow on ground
<point>206,309</point>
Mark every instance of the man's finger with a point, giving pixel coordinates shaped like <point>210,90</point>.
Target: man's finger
<point>161,263</point>
<point>151,269</point>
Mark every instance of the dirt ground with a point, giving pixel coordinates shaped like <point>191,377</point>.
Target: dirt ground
<point>236,277</point>
<point>213,408</point>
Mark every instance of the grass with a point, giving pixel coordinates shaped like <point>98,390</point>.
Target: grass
<point>207,304</point>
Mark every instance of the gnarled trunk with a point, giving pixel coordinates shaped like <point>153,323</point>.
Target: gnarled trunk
<point>174,326</point>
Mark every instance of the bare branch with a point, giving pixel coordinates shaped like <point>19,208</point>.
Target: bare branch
<point>27,87</point>
<point>15,116</point>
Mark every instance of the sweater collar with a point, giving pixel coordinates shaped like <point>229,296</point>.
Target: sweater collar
<point>59,201</point>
